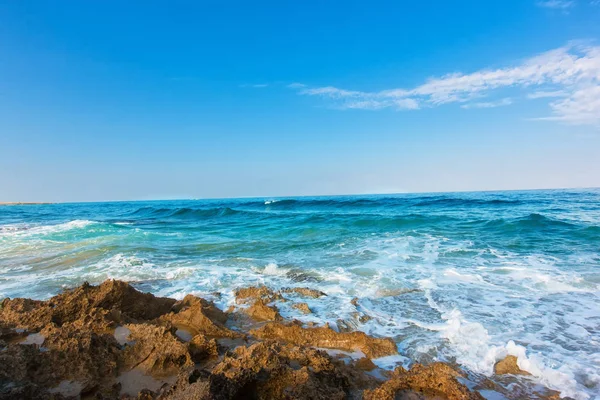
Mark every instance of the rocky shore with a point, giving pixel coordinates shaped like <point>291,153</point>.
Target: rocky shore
<point>114,342</point>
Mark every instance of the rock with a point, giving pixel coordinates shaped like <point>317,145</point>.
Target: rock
<point>201,348</point>
<point>156,350</point>
<point>260,311</point>
<point>303,291</point>
<point>509,366</point>
<point>395,292</point>
<point>69,354</point>
<point>327,337</point>
<point>303,307</point>
<point>112,342</point>
<point>199,316</point>
<point>271,370</point>
<point>365,364</point>
<point>437,380</point>
<point>251,294</point>
<point>104,304</point>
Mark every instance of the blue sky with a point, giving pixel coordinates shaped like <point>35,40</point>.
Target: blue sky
<point>108,100</point>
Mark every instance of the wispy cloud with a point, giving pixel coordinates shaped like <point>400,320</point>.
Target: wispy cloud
<point>255,85</point>
<point>572,72</point>
<point>489,104</point>
<point>542,94</point>
<point>557,4</point>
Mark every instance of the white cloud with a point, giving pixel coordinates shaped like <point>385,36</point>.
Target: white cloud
<point>556,4</point>
<point>572,72</point>
<point>490,104</point>
<point>542,94</point>
<point>255,85</point>
<point>296,85</point>
<point>581,107</point>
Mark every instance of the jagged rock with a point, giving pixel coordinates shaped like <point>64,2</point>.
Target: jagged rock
<point>67,347</point>
<point>437,380</point>
<point>365,364</point>
<point>109,302</point>
<point>327,337</point>
<point>303,307</point>
<point>509,365</point>
<point>201,348</point>
<point>251,294</point>
<point>156,350</point>
<point>260,311</point>
<point>199,316</point>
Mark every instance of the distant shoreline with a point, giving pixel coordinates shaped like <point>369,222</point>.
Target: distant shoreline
<point>20,203</point>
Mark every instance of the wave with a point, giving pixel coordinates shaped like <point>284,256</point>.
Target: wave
<point>457,202</point>
<point>532,221</point>
<point>187,212</point>
<point>30,230</point>
<point>341,202</point>
<point>389,201</point>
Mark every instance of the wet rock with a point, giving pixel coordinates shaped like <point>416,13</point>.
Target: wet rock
<point>302,307</point>
<point>251,294</point>
<point>327,337</point>
<point>260,311</point>
<point>304,291</point>
<point>347,325</point>
<point>365,364</point>
<point>434,381</point>
<point>395,292</point>
<point>509,366</point>
<point>112,342</point>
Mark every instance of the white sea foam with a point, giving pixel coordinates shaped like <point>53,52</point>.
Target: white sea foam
<point>453,275</point>
<point>273,269</point>
<point>24,230</point>
<point>474,309</point>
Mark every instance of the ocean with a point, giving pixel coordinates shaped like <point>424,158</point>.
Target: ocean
<point>459,277</point>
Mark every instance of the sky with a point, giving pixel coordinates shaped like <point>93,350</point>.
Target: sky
<point>136,100</point>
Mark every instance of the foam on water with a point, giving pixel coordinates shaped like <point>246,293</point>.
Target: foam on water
<point>469,278</point>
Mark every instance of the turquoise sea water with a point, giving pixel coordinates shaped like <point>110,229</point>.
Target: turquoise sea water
<point>465,277</point>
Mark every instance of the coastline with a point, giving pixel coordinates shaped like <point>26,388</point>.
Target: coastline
<point>114,342</point>
<point>22,203</point>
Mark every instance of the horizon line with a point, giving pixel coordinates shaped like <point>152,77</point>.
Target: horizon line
<point>30,203</point>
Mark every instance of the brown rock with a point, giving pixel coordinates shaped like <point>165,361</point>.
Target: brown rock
<point>156,350</point>
<point>201,348</point>
<point>110,301</point>
<point>509,366</point>
<point>437,380</point>
<point>70,354</point>
<point>327,337</point>
<point>260,311</point>
<point>365,364</point>
<point>271,370</point>
<point>303,307</point>
<point>251,294</point>
<point>199,316</point>
<point>71,351</point>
